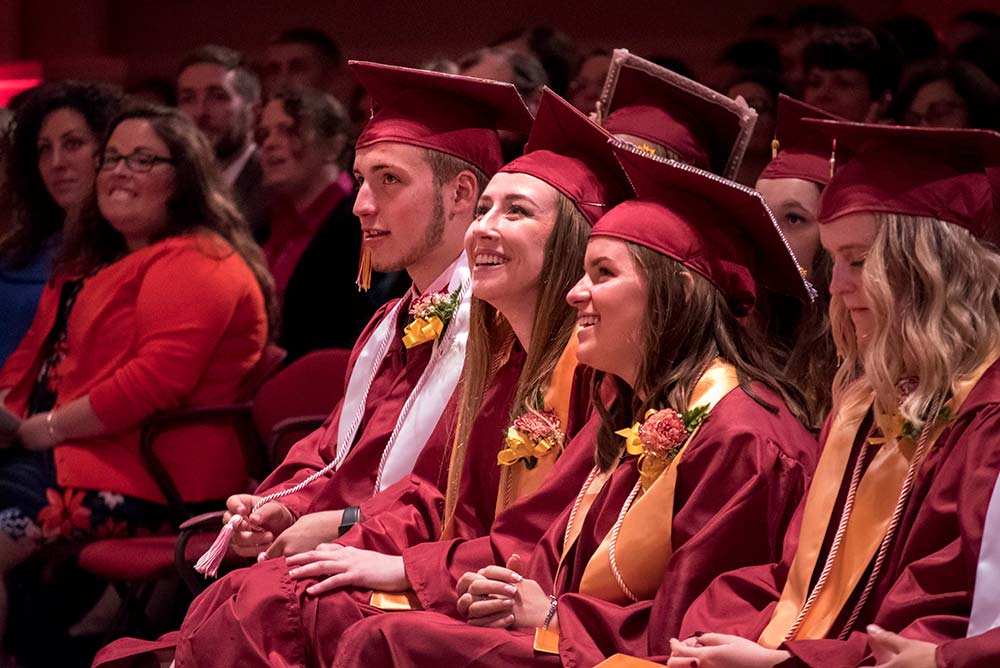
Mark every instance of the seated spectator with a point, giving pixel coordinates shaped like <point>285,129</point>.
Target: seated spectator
<point>554,49</point>
<point>588,83</point>
<point>509,66</point>
<point>50,172</point>
<point>315,238</point>
<point>760,90</point>
<point>220,93</point>
<point>849,74</point>
<point>301,57</point>
<point>803,24</point>
<point>162,303</point>
<point>948,94</point>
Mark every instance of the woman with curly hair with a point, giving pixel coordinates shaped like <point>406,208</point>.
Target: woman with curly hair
<point>51,164</point>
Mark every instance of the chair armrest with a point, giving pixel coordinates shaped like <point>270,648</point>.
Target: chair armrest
<point>155,425</point>
<point>204,523</point>
<point>305,423</point>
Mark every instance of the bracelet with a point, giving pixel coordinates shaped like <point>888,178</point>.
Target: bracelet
<point>350,517</point>
<point>553,602</point>
<point>51,427</point>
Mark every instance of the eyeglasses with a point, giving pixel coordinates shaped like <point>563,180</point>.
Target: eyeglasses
<point>139,162</point>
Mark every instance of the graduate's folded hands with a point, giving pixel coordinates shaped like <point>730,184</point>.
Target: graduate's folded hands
<point>336,566</point>
<point>259,527</point>
<point>718,650</point>
<point>500,597</point>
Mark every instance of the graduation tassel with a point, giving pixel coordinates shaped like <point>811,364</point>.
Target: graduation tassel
<point>364,279</point>
<point>209,563</point>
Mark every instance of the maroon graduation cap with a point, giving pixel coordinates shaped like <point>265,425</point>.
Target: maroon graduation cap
<point>701,126</point>
<point>800,151</point>
<point>450,113</point>
<point>934,172</point>
<point>574,156</point>
<point>720,229</point>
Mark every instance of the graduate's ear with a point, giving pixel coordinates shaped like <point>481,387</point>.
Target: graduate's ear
<point>464,192</point>
<point>688,280</point>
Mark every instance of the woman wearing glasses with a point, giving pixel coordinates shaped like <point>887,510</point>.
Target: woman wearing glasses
<point>166,305</point>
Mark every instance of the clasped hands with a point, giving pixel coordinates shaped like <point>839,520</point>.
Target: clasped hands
<point>498,597</point>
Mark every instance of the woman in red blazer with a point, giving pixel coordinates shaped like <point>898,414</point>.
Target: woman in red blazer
<point>165,304</point>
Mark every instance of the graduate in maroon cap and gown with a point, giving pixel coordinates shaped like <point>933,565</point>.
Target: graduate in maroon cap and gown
<point>791,185</point>
<point>890,531</point>
<point>398,408</point>
<point>699,459</point>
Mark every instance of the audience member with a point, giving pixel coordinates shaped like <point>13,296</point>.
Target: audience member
<point>315,238</point>
<point>586,86</point>
<point>804,23</point>
<point>849,74</point>
<point>948,94</point>
<point>554,49</point>
<point>509,66</point>
<point>760,90</point>
<point>221,94</point>
<point>304,57</point>
<point>165,303</point>
<point>49,183</point>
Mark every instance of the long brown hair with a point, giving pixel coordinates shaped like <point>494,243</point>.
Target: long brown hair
<point>685,328</point>
<point>490,335</point>
<point>201,201</point>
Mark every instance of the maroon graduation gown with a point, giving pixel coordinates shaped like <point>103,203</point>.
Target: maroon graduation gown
<point>354,481</point>
<point>982,651</point>
<point>738,483</point>
<point>924,590</point>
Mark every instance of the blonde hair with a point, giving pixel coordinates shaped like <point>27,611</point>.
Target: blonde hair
<point>934,293</point>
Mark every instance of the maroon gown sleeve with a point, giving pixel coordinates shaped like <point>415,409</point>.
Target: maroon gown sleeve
<point>927,592</point>
<point>738,488</point>
<point>982,651</point>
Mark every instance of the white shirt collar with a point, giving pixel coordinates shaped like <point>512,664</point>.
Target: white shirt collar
<point>232,172</point>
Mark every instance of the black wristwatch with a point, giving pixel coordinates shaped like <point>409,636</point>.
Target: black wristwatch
<point>351,516</point>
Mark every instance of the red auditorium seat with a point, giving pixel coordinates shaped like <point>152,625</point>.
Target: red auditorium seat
<point>281,407</point>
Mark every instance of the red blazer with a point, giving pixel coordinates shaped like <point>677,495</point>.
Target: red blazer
<point>177,323</point>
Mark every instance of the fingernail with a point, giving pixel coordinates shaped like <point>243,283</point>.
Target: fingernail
<point>517,577</point>
<point>510,589</point>
<point>509,603</point>
<point>874,629</point>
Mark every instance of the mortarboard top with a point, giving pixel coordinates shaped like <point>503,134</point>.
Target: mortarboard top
<point>703,127</point>
<point>934,172</point>
<point>450,113</point>
<point>716,227</point>
<point>573,155</point>
<point>800,151</point>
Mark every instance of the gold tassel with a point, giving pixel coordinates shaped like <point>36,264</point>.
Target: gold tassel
<point>364,279</point>
<point>833,157</point>
<point>775,145</point>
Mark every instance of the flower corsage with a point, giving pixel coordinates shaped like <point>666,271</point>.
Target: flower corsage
<point>532,436</point>
<point>658,439</point>
<point>431,314</point>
